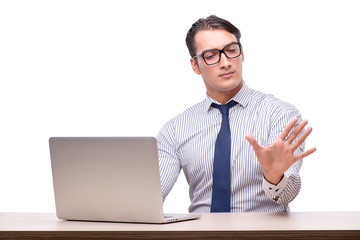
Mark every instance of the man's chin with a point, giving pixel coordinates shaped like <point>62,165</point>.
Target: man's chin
<point>230,86</point>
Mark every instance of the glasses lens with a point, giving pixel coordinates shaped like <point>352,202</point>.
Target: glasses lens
<point>232,51</point>
<point>211,57</point>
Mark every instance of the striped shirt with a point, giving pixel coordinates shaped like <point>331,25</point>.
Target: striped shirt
<point>188,142</point>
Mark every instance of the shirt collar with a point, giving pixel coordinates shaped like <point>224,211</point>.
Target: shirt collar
<point>242,97</point>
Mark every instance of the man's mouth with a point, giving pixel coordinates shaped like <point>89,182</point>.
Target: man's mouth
<point>227,75</point>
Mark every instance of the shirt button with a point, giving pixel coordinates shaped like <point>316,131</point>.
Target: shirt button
<point>276,198</point>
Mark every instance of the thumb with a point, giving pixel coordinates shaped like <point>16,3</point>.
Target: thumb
<point>251,139</point>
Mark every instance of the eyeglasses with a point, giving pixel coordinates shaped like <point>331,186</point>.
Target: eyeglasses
<point>212,56</point>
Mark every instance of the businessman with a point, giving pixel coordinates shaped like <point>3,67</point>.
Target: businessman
<point>240,149</point>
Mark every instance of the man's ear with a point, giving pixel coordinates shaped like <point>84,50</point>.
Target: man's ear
<point>195,66</point>
<point>242,53</point>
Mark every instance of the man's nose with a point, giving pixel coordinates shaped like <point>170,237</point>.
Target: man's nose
<point>224,61</point>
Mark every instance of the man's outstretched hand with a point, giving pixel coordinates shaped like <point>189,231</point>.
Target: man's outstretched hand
<point>276,158</point>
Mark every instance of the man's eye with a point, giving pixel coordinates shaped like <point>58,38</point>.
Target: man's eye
<point>209,56</point>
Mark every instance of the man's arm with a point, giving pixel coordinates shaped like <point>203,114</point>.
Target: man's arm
<point>281,161</point>
<point>169,162</point>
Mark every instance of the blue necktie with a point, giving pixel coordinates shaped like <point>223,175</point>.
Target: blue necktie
<point>221,192</point>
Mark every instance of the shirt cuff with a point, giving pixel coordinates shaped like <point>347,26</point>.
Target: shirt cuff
<point>274,191</point>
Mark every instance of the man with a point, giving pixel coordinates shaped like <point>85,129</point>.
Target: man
<point>240,149</point>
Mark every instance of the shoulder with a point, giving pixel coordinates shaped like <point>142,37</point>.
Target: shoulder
<point>270,102</point>
<point>191,112</point>
<point>188,116</point>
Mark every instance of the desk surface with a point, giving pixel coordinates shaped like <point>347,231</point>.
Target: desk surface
<point>309,225</point>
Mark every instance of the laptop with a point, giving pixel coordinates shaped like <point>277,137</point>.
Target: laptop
<point>113,179</point>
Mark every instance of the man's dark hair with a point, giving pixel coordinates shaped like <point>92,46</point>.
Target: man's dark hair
<point>210,23</point>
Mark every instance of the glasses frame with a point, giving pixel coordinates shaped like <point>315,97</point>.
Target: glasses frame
<point>220,52</point>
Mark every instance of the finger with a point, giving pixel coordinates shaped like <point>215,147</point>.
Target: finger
<point>305,153</point>
<point>301,139</point>
<point>251,139</point>
<point>296,131</point>
<point>287,129</point>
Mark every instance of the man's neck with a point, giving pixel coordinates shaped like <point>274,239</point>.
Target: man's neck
<point>224,97</point>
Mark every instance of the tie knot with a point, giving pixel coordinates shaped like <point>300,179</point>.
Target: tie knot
<point>224,109</point>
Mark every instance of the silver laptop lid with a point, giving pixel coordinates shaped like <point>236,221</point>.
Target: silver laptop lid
<point>106,179</point>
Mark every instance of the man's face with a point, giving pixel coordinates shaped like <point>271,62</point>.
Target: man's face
<point>223,79</point>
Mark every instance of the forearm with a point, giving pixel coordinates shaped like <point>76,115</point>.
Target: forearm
<point>273,179</point>
<point>287,189</point>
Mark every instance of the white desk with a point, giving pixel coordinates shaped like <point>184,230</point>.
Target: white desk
<point>295,225</point>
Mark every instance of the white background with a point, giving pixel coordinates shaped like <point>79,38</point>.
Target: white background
<point>121,68</point>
